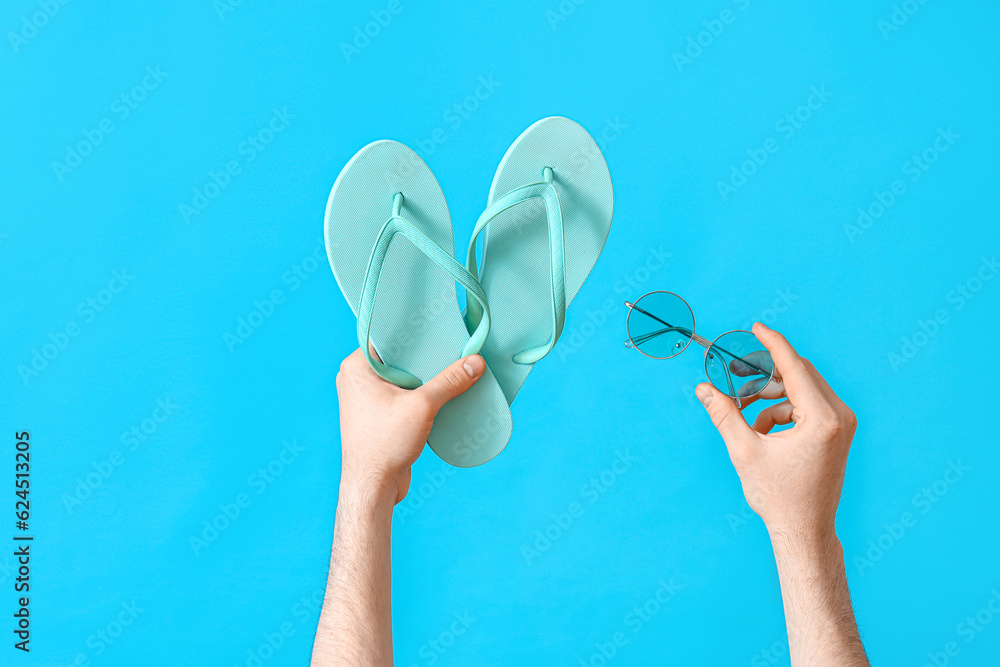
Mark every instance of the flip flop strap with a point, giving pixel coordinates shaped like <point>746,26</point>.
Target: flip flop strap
<point>557,266</point>
<point>399,225</point>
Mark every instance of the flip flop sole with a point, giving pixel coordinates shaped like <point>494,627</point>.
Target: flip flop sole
<point>416,322</point>
<point>515,264</point>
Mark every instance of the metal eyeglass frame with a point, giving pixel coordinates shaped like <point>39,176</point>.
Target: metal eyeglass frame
<point>692,336</point>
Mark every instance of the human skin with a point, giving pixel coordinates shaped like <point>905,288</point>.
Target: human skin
<point>383,429</point>
<point>793,480</point>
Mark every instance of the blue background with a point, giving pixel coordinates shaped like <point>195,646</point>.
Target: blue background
<point>115,528</point>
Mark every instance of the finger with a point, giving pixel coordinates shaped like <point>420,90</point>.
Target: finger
<point>752,387</point>
<point>364,369</point>
<point>775,415</point>
<point>453,381</point>
<point>760,360</point>
<point>761,389</point>
<point>789,366</point>
<point>728,419</point>
<point>353,366</point>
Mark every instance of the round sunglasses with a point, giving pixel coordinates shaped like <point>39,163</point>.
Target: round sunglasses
<point>661,325</point>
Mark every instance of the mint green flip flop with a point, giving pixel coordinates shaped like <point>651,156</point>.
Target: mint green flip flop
<point>549,214</point>
<point>390,244</point>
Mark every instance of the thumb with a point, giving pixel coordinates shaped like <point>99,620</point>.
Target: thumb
<point>727,418</point>
<point>453,381</point>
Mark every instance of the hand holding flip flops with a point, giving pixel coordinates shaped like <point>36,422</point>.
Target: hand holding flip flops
<point>390,244</point>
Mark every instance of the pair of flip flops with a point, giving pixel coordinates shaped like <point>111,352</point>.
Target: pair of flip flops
<point>548,216</point>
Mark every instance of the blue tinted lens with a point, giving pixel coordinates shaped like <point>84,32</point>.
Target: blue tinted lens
<point>660,324</point>
<point>738,364</point>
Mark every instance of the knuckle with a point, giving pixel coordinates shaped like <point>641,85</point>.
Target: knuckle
<point>722,418</point>
<point>345,365</point>
<point>829,423</point>
<point>453,381</point>
<point>780,338</point>
<point>803,365</point>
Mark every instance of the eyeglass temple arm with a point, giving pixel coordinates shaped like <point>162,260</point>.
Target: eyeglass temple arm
<point>643,338</point>
<point>639,340</point>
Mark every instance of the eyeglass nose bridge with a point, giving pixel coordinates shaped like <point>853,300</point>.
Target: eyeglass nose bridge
<point>701,340</point>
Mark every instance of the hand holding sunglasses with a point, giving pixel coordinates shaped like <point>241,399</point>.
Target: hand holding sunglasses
<point>793,480</point>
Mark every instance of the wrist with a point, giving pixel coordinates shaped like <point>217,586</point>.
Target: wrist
<point>368,490</point>
<point>808,540</point>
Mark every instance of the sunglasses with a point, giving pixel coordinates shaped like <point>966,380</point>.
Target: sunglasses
<point>661,325</point>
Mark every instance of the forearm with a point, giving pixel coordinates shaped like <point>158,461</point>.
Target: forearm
<point>822,630</point>
<point>355,625</point>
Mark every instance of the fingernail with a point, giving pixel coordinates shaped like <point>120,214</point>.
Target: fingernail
<point>474,365</point>
<point>761,325</point>
<point>704,395</point>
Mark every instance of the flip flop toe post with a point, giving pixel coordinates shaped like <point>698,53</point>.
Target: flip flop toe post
<point>390,244</point>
